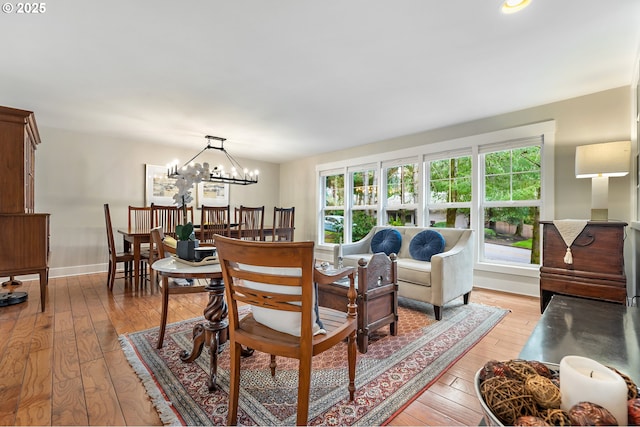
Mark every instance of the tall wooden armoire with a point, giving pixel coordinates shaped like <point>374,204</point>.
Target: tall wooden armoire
<point>24,234</point>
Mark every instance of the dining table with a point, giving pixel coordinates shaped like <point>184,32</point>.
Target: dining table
<point>134,239</point>
<point>211,332</point>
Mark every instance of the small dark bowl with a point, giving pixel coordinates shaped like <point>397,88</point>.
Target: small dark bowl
<point>204,251</point>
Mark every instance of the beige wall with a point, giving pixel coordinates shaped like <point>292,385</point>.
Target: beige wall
<point>77,173</point>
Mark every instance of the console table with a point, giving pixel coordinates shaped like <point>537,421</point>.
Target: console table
<point>603,331</point>
<point>597,271</point>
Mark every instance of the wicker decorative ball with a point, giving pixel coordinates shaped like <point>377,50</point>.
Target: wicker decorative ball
<point>555,417</point>
<point>521,369</point>
<point>544,391</point>
<point>632,388</point>
<point>507,399</point>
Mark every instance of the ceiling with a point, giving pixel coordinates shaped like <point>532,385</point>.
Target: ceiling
<point>283,79</point>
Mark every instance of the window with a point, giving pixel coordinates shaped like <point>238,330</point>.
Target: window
<point>402,185</point>
<point>333,208</point>
<point>511,204</point>
<point>497,183</point>
<point>450,189</point>
<point>364,202</point>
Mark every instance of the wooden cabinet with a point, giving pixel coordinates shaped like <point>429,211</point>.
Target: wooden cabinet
<point>597,271</point>
<point>18,141</point>
<point>24,235</point>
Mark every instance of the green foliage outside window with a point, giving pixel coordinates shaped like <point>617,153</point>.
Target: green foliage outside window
<point>513,174</point>
<point>402,184</point>
<point>334,190</point>
<point>450,180</point>
<point>363,222</point>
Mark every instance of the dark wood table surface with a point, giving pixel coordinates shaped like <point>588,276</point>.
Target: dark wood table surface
<point>603,331</point>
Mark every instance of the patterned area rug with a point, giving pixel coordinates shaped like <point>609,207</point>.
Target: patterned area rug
<point>390,375</point>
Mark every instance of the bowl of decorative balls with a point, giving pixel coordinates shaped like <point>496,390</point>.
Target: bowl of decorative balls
<point>527,393</point>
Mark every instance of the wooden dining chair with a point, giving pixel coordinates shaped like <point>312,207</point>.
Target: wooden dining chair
<point>140,219</point>
<point>166,217</point>
<point>251,223</point>
<point>283,221</point>
<point>214,220</point>
<point>277,280</point>
<point>169,286</point>
<point>114,256</point>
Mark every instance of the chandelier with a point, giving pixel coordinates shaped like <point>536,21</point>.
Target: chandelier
<point>202,172</point>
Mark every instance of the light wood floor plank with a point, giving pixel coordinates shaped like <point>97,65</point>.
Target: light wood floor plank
<point>103,406</point>
<point>68,403</point>
<point>35,398</point>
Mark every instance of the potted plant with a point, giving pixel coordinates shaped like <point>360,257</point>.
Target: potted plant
<point>186,241</point>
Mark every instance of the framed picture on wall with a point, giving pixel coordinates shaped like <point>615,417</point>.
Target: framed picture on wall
<point>159,188</point>
<point>212,194</point>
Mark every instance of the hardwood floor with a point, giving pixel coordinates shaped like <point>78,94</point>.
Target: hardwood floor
<point>65,366</point>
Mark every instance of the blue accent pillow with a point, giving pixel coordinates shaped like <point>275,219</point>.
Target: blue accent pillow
<point>387,240</point>
<point>426,244</point>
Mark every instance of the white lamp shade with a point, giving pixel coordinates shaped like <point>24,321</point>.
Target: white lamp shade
<point>606,159</point>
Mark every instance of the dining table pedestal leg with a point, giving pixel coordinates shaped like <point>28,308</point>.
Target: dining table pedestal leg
<point>211,333</point>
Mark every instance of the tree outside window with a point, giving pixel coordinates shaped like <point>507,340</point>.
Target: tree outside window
<point>333,210</point>
<point>450,192</point>
<point>512,204</point>
<point>402,194</point>
<point>364,214</point>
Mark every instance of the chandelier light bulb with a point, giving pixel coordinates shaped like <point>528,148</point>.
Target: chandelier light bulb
<point>513,6</point>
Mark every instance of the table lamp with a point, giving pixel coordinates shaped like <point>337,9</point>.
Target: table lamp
<point>599,162</point>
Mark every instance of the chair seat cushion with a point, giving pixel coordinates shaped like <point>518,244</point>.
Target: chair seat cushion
<point>387,240</point>
<point>288,322</point>
<point>426,244</point>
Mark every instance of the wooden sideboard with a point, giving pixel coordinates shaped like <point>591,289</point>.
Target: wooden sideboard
<point>24,235</point>
<point>25,247</point>
<point>597,271</point>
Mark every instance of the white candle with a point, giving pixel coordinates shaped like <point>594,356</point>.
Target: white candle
<point>340,249</point>
<point>585,380</point>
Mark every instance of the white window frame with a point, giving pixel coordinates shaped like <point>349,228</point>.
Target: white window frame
<point>446,155</point>
<point>544,129</point>
<point>350,206</point>
<point>492,148</point>
<point>417,206</point>
<point>323,207</point>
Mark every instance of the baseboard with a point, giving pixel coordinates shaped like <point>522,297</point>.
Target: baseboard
<point>507,283</point>
<point>69,271</point>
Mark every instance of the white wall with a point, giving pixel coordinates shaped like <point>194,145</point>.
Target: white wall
<point>77,173</point>
<point>598,117</point>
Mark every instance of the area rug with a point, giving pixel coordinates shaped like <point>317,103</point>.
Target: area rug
<point>394,371</point>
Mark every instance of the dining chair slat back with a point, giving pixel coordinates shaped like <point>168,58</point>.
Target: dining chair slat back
<point>251,223</point>
<point>166,217</point>
<point>139,217</point>
<point>283,224</point>
<point>214,220</point>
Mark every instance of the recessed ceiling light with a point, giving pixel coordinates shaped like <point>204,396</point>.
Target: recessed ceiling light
<point>513,6</point>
